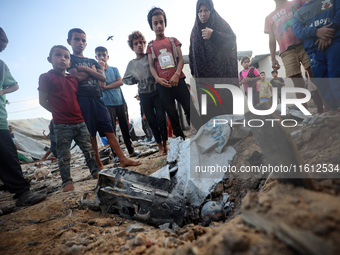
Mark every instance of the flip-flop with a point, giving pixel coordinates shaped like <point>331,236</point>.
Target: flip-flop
<point>115,160</point>
<point>135,154</point>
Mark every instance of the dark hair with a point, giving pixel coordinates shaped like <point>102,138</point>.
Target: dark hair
<point>74,30</point>
<point>101,49</point>
<point>3,36</point>
<point>274,71</point>
<point>263,72</point>
<point>155,11</point>
<point>135,35</point>
<point>58,47</point>
<point>244,58</point>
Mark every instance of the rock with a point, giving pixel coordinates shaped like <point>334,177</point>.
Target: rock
<point>140,239</point>
<point>164,226</point>
<point>122,233</point>
<point>70,243</point>
<point>236,242</point>
<point>188,236</point>
<point>134,228</point>
<point>212,211</point>
<point>175,227</point>
<point>219,188</point>
<point>75,249</point>
<point>256,158</point>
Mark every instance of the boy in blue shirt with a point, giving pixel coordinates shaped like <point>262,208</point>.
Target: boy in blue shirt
<point>113,97</point>
<point>318,23</point>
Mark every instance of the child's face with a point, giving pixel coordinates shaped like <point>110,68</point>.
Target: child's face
<point>60,60</point>
<point>246,64</point>
<point>263,76</point>
<point>138,46</point>
<point>78,42</point>
<point>158,24</point>
<point>102,56</point>
<point>203,13</point>
<point>274,75</point>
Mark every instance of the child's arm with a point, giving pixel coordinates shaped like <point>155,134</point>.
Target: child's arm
<point>43,100</point>
<point>270,86</point>
<point>114,85</point>
<point>272,48</point>
<point>10,89</point>
<point>280,81</point>
<point>93,72</point>
<point>129,78</point>
<point>159,80</point>
<point>175,78</point>
<point>79,76</point>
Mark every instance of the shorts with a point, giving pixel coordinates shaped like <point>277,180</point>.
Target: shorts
<point>292,59</point>
<point>96,115</point>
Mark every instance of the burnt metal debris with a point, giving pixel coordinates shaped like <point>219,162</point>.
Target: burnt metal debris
<point>139,197</point>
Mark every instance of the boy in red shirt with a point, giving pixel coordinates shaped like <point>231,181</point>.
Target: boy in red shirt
<point>58,94</point>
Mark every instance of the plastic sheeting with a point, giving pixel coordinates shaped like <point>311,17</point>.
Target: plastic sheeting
<point>211,145</point>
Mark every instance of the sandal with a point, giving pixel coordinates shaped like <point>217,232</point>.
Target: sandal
<point>115,160</point>
<point>134,154</point>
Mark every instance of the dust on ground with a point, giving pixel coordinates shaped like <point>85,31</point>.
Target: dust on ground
<point>266,217</point>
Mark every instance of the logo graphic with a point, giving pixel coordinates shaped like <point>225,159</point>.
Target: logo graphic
<point>239,100</point>
<point>204,97</point>
<point>326,4</point>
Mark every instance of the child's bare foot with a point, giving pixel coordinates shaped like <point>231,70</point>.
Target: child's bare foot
<point>165,146</point>
<point>128,162</point>
<point>68,187</point>
<point>160,150</point>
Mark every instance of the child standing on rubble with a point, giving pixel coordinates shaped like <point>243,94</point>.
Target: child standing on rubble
<point>88,73</point>
<point>58,94</point>
<point>166,64</point>
<point>138,71</point>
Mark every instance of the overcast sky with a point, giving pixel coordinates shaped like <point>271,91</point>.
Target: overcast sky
<point>34,26</point>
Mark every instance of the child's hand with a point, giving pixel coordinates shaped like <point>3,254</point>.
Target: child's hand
<point>246,80</point>
<point>325,32</point>
<point>163,82</point>
<point>323,44</point>
<point>174,80</point>
<point>101,63</point>
<point>275,64</point>
<point>206,33</point>
<point>81,68</point>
